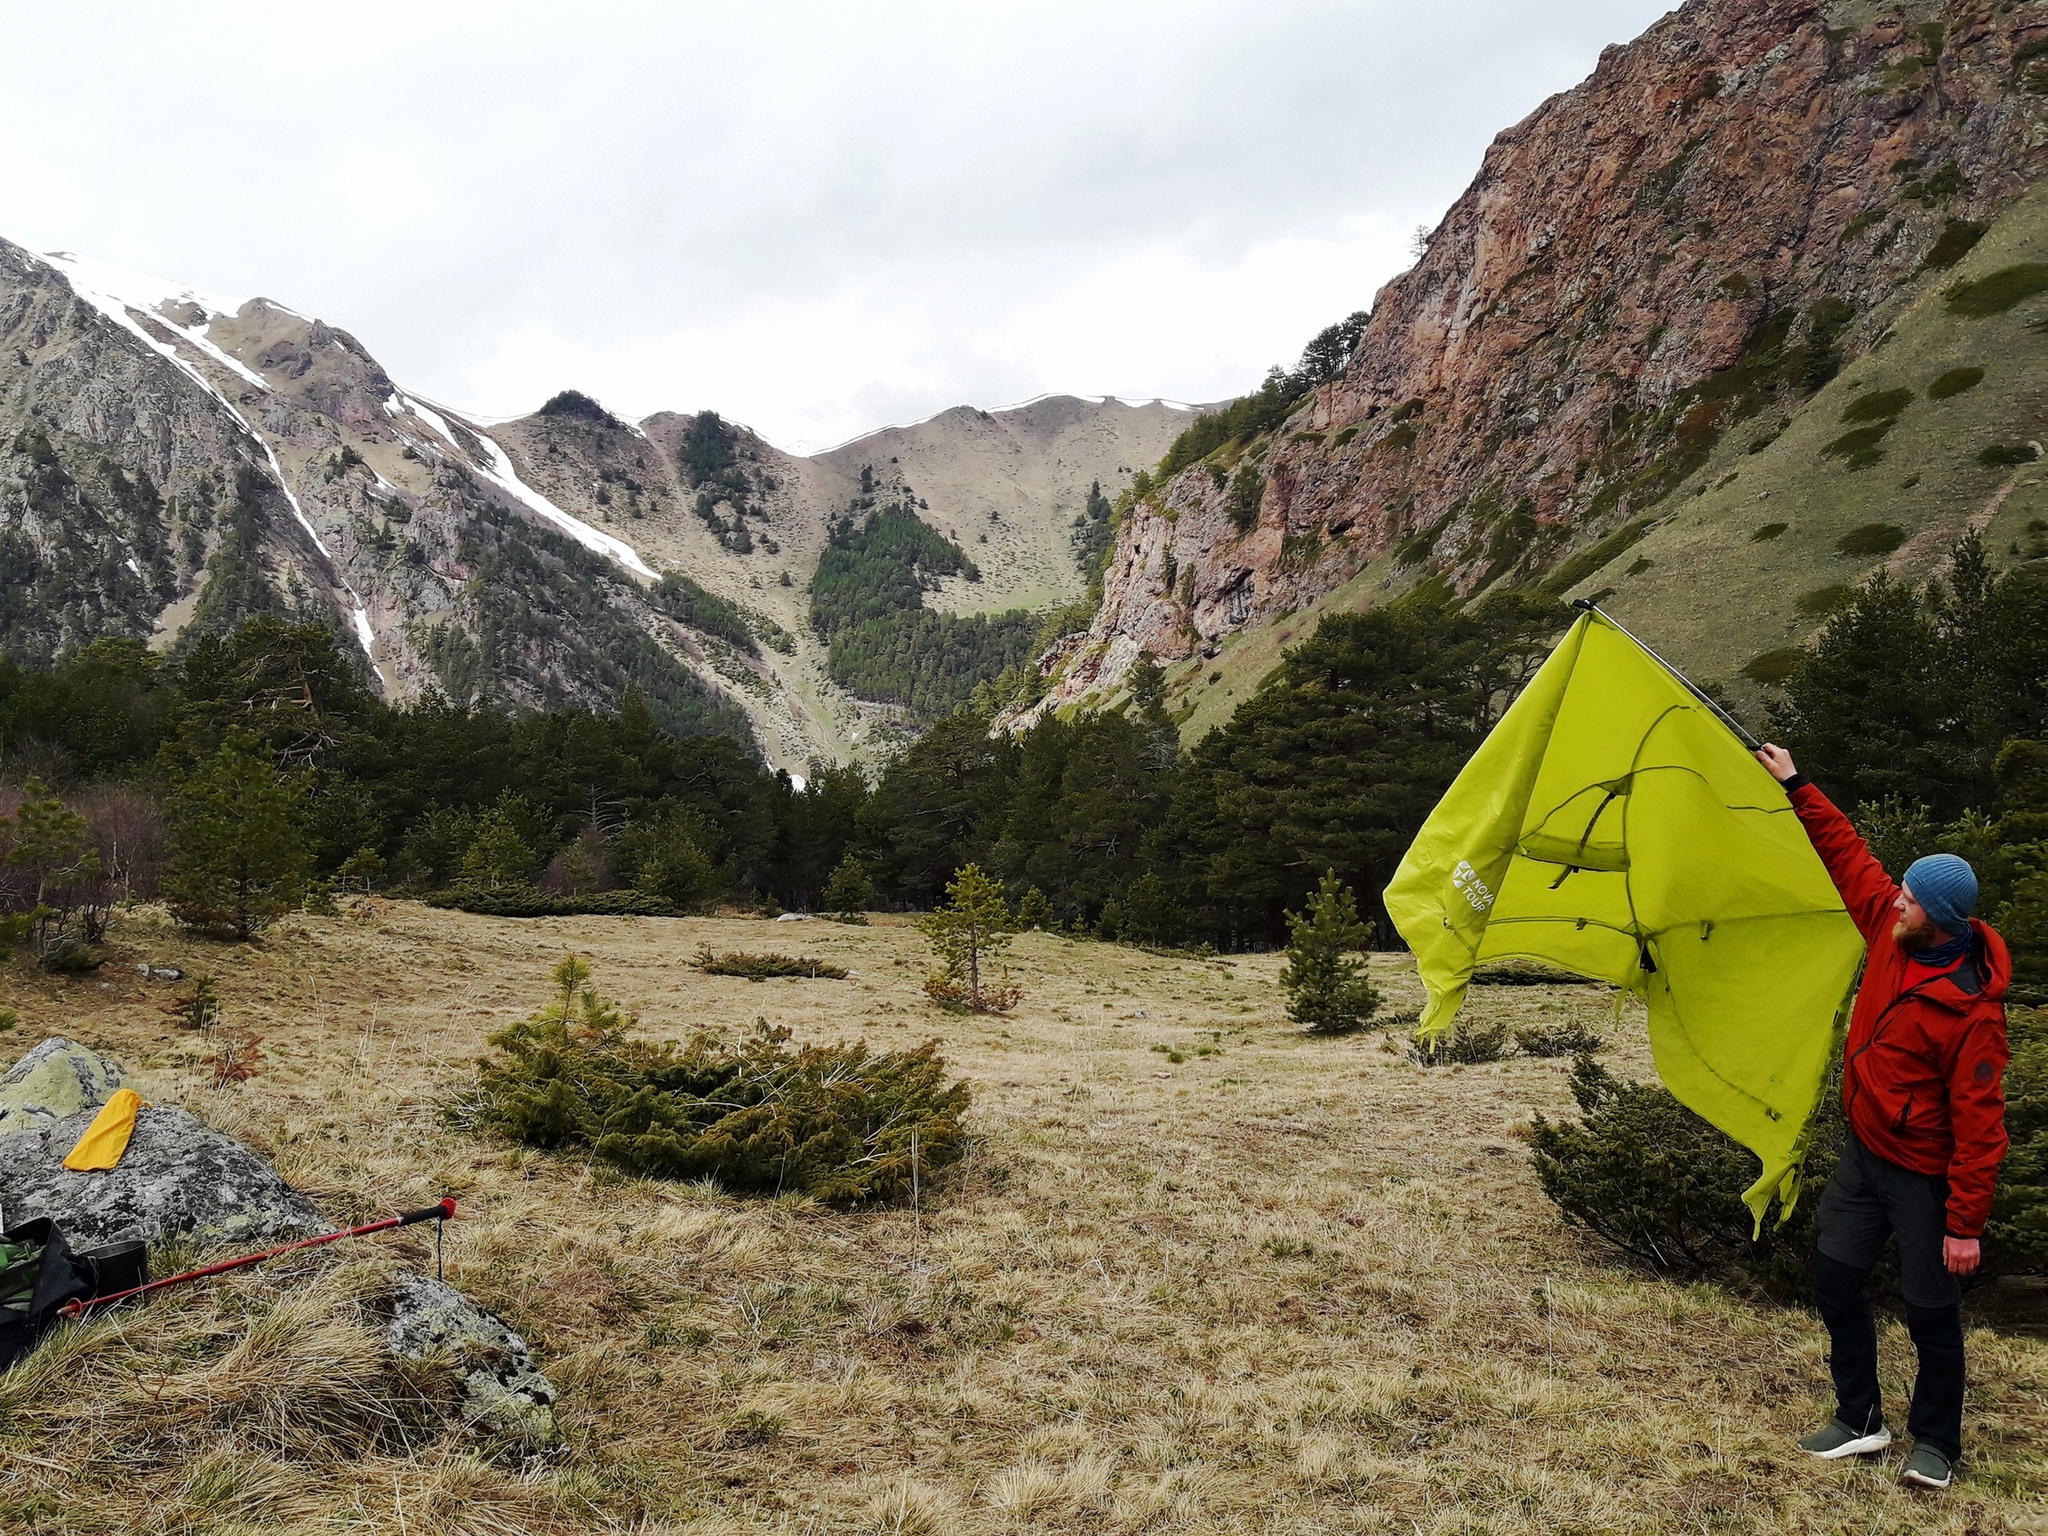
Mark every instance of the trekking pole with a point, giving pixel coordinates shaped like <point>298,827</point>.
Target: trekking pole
<point>1587,605</point>
<point>441,1211</point>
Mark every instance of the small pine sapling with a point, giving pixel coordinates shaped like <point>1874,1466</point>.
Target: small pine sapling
<point>840,1123</point>
<point>850,894</point>
<point>200,1011</point>
<point>49,843</point>
<point>1328,989</point>
<point>968,935</point>
<point>1034,911</point>
<point>362,871</point>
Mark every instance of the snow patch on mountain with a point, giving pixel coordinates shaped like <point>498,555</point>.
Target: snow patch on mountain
<point>501,474</point>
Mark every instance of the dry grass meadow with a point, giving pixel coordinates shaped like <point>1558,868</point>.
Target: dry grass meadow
<point>1288,1285</point>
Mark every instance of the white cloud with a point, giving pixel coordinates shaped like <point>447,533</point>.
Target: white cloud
<point>384,188</point>
<point>35,198</point>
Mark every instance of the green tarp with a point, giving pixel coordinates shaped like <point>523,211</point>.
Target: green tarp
<point>1611,825</point>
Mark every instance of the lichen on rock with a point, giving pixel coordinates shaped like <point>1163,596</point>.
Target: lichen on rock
<point>502,1393</point>
<point>53,1082</point>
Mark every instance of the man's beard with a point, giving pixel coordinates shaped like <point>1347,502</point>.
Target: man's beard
<point>1916,936</point>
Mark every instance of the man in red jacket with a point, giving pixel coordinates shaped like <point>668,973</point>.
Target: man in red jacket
<point>1921,1082</point>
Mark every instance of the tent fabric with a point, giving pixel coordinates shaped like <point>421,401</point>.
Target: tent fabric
<point>1613,826</point>
<point>104,1141</point>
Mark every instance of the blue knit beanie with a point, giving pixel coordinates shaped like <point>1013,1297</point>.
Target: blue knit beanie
<point>1946,888</point>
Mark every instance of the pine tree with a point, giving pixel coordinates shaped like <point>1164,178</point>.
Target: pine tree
<point>498,855</point>
<point>237,859</point>
<point>1328,990</point>
<point>969,935</point>
<point>2023,923</point>
<point>1150,914</point>
<point>678,871</point>
<point>1034,911</point>
<point>50,845</point>
<point>849,894</point>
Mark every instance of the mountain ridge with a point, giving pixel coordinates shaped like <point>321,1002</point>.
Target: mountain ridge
<point>272,464</point>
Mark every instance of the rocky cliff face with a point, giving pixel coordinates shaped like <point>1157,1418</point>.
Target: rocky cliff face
<point>173,462</point>
<point>1704,231</point>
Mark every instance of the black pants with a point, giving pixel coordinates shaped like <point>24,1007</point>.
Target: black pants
<point>1867,1201</point>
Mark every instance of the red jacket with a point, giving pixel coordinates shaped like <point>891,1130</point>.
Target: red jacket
<point>1923,1068</point>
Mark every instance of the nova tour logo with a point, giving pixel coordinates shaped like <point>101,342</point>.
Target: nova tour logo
<point>1465,880</point>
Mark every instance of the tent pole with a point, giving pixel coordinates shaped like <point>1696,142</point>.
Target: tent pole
<point>1585,606</point>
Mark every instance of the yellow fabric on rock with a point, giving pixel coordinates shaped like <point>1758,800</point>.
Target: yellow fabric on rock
<point>106,1138</point>
<point>1612,826</point>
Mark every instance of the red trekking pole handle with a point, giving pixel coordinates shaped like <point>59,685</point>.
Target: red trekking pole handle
<point>440,1211</point>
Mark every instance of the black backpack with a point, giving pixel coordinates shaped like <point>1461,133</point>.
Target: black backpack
<point>34,1289</point>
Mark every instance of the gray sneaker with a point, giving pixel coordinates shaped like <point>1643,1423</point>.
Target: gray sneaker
<point>1926,1468</point>
<point>1835,1440</point>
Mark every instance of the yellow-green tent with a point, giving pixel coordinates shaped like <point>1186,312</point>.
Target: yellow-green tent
<point>1611,825</point>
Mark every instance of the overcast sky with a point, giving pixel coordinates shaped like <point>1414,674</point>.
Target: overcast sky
<point>814,218</point>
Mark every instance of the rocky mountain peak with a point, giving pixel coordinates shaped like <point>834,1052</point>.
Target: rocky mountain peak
<point>1706,229</point>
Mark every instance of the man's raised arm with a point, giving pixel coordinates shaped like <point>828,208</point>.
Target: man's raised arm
<point>1867,891</point>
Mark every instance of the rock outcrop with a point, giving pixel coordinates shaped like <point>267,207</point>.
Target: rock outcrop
<point>1725,210</point>
<point>502,1392</point>
<point>181,1178</point>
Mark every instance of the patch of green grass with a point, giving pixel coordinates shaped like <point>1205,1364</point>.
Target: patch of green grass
<point>1882,406</point>
<point>1857,441</point>
<point>1595,557</point>
<point>1343,439</point>
<point>1958,238</point>
<point>1871,539</point>
<point>1639,565</point>
<point>1773,666</point>
<point>1954,382</point>
<point>1768,532</point>
<point>2000,291</point>
<point>1999,455</point>
<point>1822,601</point>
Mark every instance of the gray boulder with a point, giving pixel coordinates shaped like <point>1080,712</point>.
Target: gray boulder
<point>180,1177</point>
<point>54,1082</point>
<point>502,1393</point>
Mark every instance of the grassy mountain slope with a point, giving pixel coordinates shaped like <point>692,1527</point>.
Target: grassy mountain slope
<point>1006,486</point>
<point>1716,580</point>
